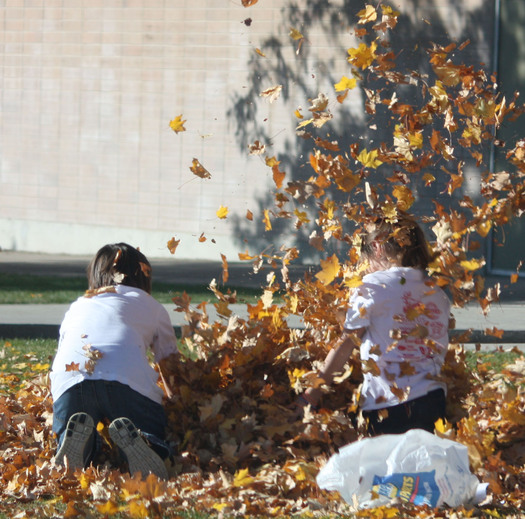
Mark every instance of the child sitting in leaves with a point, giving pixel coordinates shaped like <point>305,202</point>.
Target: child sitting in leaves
<point>399,320</point>
<point>101,371</point>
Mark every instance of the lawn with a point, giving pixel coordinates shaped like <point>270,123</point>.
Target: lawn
<point>21,359</point>
<point>34,488</point>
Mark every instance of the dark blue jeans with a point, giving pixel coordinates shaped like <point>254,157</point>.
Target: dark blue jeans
<point>103,399</point>
<point>420,413</point>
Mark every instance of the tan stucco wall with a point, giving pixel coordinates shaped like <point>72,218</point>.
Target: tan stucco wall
<point>88,88</point>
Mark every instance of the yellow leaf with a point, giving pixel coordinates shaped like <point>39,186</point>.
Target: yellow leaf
<point>300,474</point>
<point>266,220</point>
<point>292,303</point>
<point>244,256</point>
<point>220,506</point>
<point>353,281</point>
<point>483,228</point>
<point>442,427</point>
<point>172,245</point>
<point>363,56</point>
<point>296,375</point>
<point>369,159</point>
<point>109,508</point>
<point>472,264</point>
<point>388,11</point>
<point>138,509</point>
<point>330,270</point>
<point>242,478</point>
<point>198,169</point>
<point>84,481</point>
<point>304,123</point>
<point>302,216</point>
<point>295,34</point>
<point>222,212</point>
<point>298,114</point>
<point>271,162</point>
<point>345,84</point>
<point>415,140</point>
<point>260,52</point>
<point>404,196</point>
<point>177,124</point>
<point>368,14</point>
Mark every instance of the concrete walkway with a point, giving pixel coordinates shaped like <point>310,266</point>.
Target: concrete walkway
<point>43,320</point>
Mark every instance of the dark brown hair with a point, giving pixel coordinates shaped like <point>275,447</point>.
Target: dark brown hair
<point>119,264</point>
<point>402,239</point>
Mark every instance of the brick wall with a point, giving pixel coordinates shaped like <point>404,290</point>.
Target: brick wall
<point>88,88</point>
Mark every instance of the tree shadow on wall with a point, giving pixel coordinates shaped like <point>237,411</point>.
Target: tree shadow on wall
<point>417,29</point>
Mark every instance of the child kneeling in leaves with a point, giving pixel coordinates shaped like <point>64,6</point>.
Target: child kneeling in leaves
<point>398,318</point>
<point>101,370</point>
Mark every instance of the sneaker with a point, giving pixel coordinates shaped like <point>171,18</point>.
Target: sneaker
<point>79,430</point>
<point>140,457</point>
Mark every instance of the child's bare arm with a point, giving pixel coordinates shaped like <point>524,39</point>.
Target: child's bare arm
<point>335,361</point>
<point>167,368</point>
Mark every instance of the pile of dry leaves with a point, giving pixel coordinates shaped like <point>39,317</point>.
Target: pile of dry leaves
<point>241,448</point>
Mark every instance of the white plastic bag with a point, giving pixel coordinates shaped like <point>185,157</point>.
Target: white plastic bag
<point>416,467</point>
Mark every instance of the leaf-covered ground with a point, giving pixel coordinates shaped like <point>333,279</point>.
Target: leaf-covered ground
<point>241,448</point>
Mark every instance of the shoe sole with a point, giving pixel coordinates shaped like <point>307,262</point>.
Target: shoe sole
<point>79,429</point>
<point>140,457</point>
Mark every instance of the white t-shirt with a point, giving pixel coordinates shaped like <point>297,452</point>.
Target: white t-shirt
<point>121,326</point>
<point>406,337</point>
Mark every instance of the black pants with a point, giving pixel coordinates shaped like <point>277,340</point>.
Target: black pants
<point>420,413</point>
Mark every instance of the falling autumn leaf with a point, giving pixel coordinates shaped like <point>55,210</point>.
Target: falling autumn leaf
<point>345,84</point>
<point>272,93</point>
<point>198,169</point>
<point>369,159</point>
<point>256,148</point>
<point>295,34</point>
<point>222,212</point>
<point>225,274</point>
<point>248,3</point>
<point>368,14</point>
<point>363,56</point>
<point>172,245</point>
<point>177,124</point>
<point>266,220</point>
<point>473,264</point>
<point>330,270</point>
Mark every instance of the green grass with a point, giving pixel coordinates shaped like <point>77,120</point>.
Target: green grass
<point>496,360</point>
<point>33,289</point>
<point>21,359</point>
